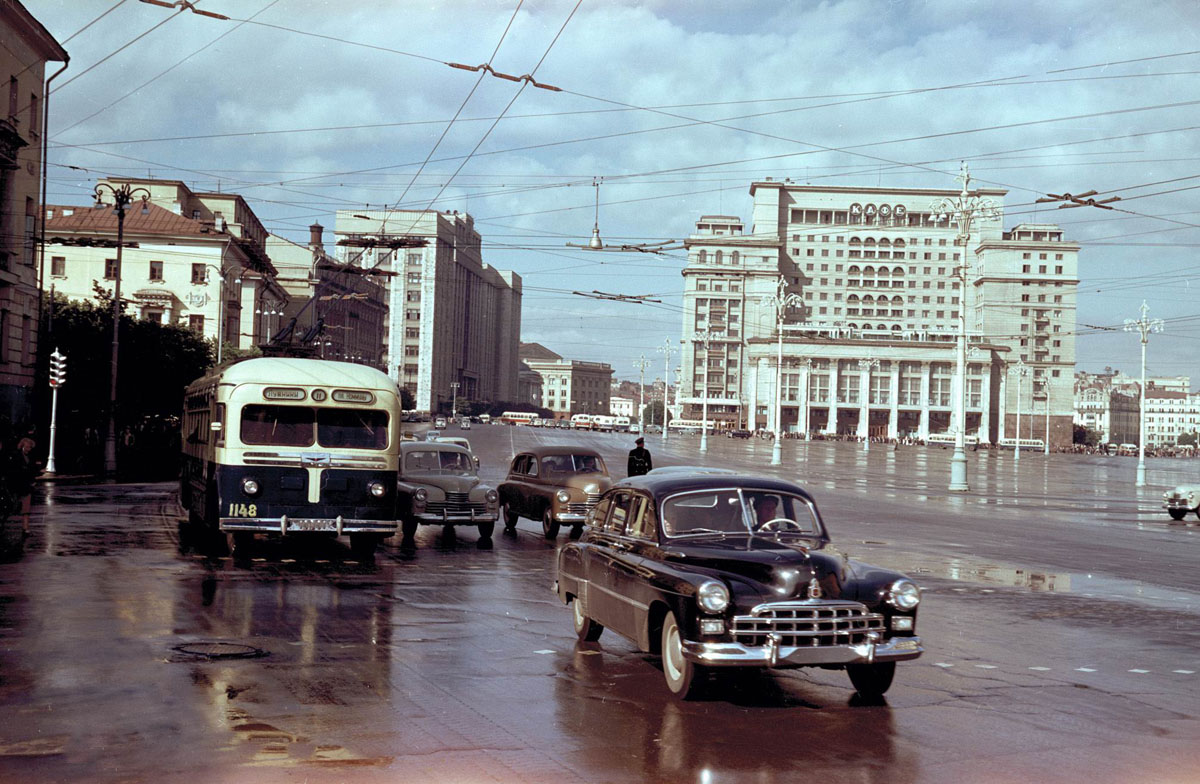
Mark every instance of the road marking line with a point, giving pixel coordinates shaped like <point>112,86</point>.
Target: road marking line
<point>1084,669</point>
<point>1140,672</point>
<point>942,664</point>
<point>544,652</point>
<point>1040,669</point>
<point>1185,672</point>
<point>986,666</point>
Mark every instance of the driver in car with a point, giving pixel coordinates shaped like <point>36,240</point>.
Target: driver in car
<point>764,508</point>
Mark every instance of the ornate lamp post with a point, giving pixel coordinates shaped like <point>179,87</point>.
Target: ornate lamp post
<point>806,369</point>
<point>641,365</point>
<point>705,339</point>
<point>1020,370</point>
<point>666,349</point>
<point>1144,326</point>
<point>867,365</point>
<point>963,210</point>
<point>780,301</point>
<point>1046,389</point>
<point>123,196</point>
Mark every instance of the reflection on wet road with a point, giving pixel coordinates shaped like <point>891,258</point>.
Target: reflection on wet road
<point>1060,614</point>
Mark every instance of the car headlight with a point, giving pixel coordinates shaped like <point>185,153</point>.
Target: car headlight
<point>421,494</point>
<point>904,595</point>
<point>563,496</point>
<point>492,496</point>
<point>250,486</point>
<point>713,596</point>
<point>377,489</point>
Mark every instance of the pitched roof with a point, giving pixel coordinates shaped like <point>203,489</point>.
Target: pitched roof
<point>160,221</point>
<point>537,353</point>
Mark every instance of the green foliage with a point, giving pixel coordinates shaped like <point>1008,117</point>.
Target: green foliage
<point>156,362</point>
<point>407,401</point>
<point>1186,439</point>
<point>1085,435</point>
<point>654,412</point>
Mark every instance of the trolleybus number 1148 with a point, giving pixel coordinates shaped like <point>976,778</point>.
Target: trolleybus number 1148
<point>243,510</point>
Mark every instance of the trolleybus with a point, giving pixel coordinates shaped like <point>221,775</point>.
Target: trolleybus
<point>292,447</point>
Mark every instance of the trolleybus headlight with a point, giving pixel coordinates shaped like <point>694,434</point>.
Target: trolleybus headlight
<point>713,596</point>
<point>377,489</point>
<point>563,496</point>
<point>904,595</point>
<point>250,486</point>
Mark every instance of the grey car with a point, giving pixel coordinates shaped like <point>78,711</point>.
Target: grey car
<point>438,484</point>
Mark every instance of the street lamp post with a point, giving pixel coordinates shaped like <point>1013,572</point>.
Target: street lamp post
<point>868,365</point>
<point>1020,370</point>
<point>666,349</point>
<point>806,369</point>
<point>963,210</point>
<point>453,398</point>
<point>705,339</point>
<point>123,196</point>
<point>780,301</point>
<point>641,365</point>
<point>1145,326</point>
<point>1046,389</point>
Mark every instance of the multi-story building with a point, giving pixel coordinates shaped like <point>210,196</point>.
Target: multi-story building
<point>529,386</point>
<point>196,259</point>
<point>569,386</point>
<point>27,48</point>
<point>869,347</point>
<point>1169,415</point>
<point>452,318</point>
<point>335,310</point>
<point>622,406</point>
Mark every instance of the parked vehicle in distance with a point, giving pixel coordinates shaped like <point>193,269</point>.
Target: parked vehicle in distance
<point>555,484</point>
<point>439,423</point>
<point>438,484</point>
<point>582,421</point>
<point>485,419</point>
<point>719,569</point>
<point>291,447</point>
<point>1181,500</point>
<point>517,417</point>
<point>653,430</point>
<point>459,441</point>
<point>634,427</point>
<point>738,434</point>
<point>464,423</point>
<point>432,435</point>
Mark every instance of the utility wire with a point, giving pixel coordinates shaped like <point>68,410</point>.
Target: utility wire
<point>117,51</point>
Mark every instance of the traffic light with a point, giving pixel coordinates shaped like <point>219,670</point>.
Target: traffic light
<point>58,369</point>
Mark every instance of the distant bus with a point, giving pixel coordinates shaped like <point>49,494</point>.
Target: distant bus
<point>517,417</point>
<point>948,438</point>
<point>689,425</point>
<point>485,419</point>
<point>604,423</point>
<point>1026,443</point>
<point>582,421</point>
<point>622,424</point>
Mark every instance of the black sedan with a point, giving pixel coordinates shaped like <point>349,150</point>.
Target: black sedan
<point>713,570</point>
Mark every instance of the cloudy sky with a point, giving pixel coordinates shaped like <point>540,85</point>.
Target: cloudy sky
<point>306,107</point>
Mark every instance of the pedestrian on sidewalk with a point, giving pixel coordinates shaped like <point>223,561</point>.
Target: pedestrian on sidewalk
<point>25,469</point>
<point>639,459</point>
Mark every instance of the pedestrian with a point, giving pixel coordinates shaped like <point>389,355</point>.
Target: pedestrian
<point>24,469</point>
<point>639,459</point>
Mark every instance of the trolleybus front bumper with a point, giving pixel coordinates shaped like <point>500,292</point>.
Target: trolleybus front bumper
<point>285,525</point>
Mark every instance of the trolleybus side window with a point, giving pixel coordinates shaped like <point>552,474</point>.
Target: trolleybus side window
<point>277,425</point>
<point>352,428</point>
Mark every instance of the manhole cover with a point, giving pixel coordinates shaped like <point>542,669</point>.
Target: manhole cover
<point>220,650</point>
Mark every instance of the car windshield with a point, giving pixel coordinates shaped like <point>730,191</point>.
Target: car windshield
<point>572,464</point>
<point>436,461</point>
<point>737,511</point>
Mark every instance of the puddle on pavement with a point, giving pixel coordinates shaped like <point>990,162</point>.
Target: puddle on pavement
<point>970,570</point>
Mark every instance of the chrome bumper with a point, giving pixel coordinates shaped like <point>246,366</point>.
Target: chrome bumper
<point>296,525</point>
<point>455,518</point>
<point>733,654</point>
<point>1178,503</point>
<point>569,517</point>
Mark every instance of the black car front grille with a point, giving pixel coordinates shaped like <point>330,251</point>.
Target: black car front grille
<point>815,624</point>
<point>456,504</point>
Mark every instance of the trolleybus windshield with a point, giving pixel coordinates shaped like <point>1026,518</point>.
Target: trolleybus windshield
<point>302,426</point>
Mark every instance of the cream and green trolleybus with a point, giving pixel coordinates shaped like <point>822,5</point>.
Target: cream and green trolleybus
<point>291,447</point>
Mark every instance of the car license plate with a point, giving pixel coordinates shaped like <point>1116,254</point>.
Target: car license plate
<point>310,525</point>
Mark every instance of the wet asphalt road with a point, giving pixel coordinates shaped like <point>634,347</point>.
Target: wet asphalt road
<point>1061,618</point>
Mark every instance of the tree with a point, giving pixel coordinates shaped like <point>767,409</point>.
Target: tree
<point>156,362</point>
<point>1085,435</point>
<point>654,412</point>
<point>1188,439</point>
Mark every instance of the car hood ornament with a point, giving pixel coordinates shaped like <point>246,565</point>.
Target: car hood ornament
<point>814,589</point>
